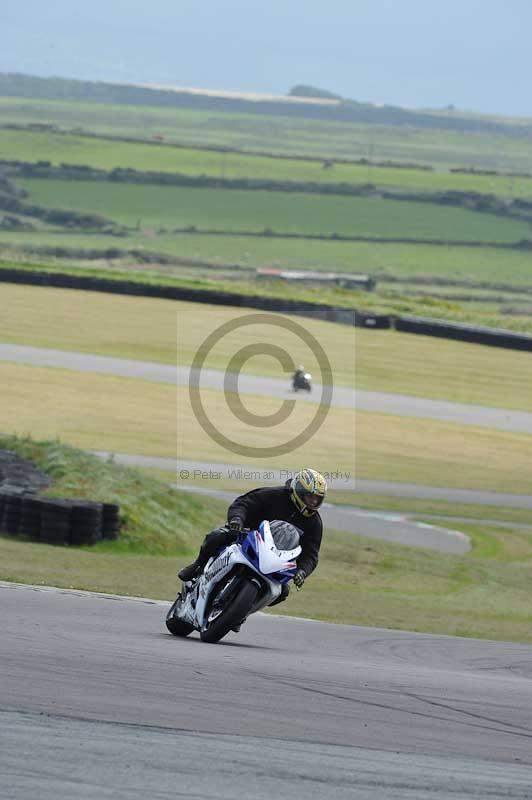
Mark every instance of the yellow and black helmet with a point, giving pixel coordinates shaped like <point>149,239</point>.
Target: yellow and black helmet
<point>307,490</point>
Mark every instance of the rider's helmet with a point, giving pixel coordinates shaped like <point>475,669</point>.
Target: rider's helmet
<point>285,535</point>
<point>307,491</point>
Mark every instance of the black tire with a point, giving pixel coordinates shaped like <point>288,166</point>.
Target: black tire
<point>86,523</point>
<point>79,539</point>
<point>53,535</point>
<point>110,511</point>
<point>176,626</point>
<point>85,528</point>
<point>233,614</point>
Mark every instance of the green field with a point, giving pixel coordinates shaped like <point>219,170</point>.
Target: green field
<point>280,134</point>
<point>100,153</point>
<point>144,206</point>
<point>152,213</point>
<point>481,264</point>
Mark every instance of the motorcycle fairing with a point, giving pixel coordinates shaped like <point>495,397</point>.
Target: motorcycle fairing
<point>258,553</point>
<point>270,558</point>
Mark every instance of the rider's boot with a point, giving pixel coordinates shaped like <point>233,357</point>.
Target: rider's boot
<point>236,628</point>
<point>189,572</point>
<point>195,569</point>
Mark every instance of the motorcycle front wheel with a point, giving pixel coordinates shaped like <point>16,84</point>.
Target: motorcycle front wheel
<point>175,625</point>
<point>233,614</point>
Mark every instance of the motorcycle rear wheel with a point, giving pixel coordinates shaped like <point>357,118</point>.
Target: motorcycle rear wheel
<point>233,614</point>
<point>176,626</point>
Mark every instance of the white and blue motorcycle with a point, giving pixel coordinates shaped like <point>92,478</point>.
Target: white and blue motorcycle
<point>245,577</point>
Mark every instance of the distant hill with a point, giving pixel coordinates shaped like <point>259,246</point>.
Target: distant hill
<point>302,90</point>
<point>326,108</point>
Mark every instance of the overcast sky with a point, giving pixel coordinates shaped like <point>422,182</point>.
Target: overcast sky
<point>475,54</point>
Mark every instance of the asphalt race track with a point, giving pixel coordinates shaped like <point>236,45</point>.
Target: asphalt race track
<point>396,528</point>
<point>97,701</point>
<point>383,402</point>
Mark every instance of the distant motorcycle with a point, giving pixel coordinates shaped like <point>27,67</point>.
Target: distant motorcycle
<point>245,577</point>
<point>301,382</point>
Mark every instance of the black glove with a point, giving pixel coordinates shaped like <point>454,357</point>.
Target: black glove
<point>235,526</point>
<point>299,578</point>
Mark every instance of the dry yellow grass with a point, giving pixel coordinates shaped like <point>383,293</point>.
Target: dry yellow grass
<point>166,331</point>
<point>439,368</point>
<point>90,411</point>
<point>442,454</point>
<point>379,446</point>
<point>124,415</point>
<point>331,448</point>
<point>91,322</point>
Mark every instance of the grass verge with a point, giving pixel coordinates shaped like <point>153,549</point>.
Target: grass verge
<point>484,594</point>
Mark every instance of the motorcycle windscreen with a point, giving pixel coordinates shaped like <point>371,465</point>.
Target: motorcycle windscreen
<point>270,558</point>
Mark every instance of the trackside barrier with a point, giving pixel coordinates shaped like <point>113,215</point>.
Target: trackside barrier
<point>57,521</point>
<point>464,333</point>
<point>344,316</point>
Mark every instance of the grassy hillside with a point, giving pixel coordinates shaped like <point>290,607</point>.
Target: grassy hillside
<point>281,134</point>
<point>340,109</point>
<point>109,225</point>
<point>154,518</point>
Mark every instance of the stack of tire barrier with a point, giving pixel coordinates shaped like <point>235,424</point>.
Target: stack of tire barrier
<point>57,521</point>
<point>10,509</point>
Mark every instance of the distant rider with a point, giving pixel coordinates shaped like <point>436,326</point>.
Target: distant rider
<point>296,502</point>
<point>298,378</point>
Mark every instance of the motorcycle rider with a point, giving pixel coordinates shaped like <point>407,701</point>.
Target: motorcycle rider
<point>297,502</point>
<point>298,377</point>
